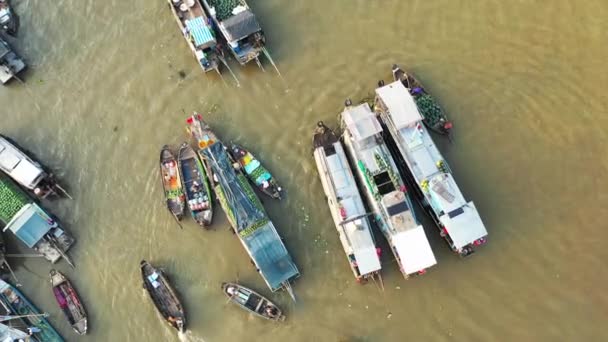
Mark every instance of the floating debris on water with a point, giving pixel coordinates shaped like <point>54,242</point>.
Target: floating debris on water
<point>390,314</point>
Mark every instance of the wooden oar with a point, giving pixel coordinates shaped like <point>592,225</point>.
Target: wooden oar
<point>176,220</point>
<point>63,191</point>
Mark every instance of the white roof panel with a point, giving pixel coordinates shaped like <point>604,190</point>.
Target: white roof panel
<point>414,250</point>
<point>26,173</point>
<point>367,260</point>
<point>400,104</point>
<point>361,121</point>
<point>465,225</point>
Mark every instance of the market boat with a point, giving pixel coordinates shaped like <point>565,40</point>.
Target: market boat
<point>244,211</point>
<point>434,117</point>
<point>31,224</point>
<point>256,172</point>
<point>15,302</point>
<point>9,22</point>
<point>252,301</point>
<point>345,204</point>
<point>26,171</point>
<point>384,190</point>
<point>172,184</point>
<point>163,296</point>
<point>196,186</point>
<point>69,302</point>
<point>239,27</point>
<point>195,26</point>
<point>10,63</point>
<point>458,220</point>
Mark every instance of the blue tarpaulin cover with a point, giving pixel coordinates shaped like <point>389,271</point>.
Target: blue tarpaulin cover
<point>199,31</point>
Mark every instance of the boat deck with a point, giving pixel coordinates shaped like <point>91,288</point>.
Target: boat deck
<point>429,170</point>
<point>384,189</point>
<point>345,203</point>
<point>161,292</point>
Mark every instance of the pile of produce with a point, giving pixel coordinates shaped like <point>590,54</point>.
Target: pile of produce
<point>430,110</point>
<point>223,8</point>
<point>12,199</point>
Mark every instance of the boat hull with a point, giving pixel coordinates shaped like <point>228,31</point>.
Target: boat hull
<point>69,302</point>
<point>163,296</point>
<point>252,302</point>
<point>256,173</point>
<point>196,186</point>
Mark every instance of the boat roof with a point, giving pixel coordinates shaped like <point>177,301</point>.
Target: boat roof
<point>400,104</point>
<point>9,334</point>
<point>271,256</point>
<point>361,122</point>
<point>30,224</point>
<point>414,250</point>
<point>464,225</point>
<point>4,49</point>
<point>17,165</point>
<point>240,25</point>
<point>200,31</point>
<point>357,233</point>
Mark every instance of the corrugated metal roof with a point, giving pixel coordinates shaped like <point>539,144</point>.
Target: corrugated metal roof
<point>466,227</point>
<point>361,122</point>
<point>414,250</point>
<point>400,104</point>
<point>240,25</point>
<point>200,31</point>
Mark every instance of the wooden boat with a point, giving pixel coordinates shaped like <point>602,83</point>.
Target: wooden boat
<point>195,26</point>
<point>69,302</point>
<point>9,22</point>
<point>253,302</point>
<point>14,301</point>
<point>10,63</point>
<point>29,173</point>
<point>434,117</point>
<point>196,186</point>
<point>256,172</point>
<point>172,184</point>
<point>163,296</point>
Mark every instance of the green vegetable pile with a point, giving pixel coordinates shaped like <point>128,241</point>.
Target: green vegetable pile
<point>12,199</point>
<point>223,8</point>
<point>430,110</point>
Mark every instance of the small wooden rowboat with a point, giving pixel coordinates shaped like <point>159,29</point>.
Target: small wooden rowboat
<point>69,302</point>
<point>172,185</point>
<point>434,117</point>
<point>163,296</point>
<point>256,172</point>
<point>252,301</point>
<point>196,186</point>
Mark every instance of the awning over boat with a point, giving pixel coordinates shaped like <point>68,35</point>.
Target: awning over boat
<point>17,165</point>
<point>363,247</point>
<point>30,225</point>
<point>464,225</point>
<point>240,25</point>
<point>400,104</point>
<point>199,31</point>
<point>414,250</point>
<point>9,334</point>
<point>271,256</point>
<point>361,122</point>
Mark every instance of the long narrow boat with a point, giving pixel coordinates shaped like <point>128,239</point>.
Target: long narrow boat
<point>385,191</point>
<point>163,296</point>
<point>239,27</point>
<point>29,173</point>
<point>434,117</point>
<point>10,63</point>
<point>252,301</point>
<point>69,302</point>
<point>16,302</point>
<point>196,186</point>
<point>458,220</point>
<point>244,211</point>
<point>172,184</point>
<point>11,334</point>
<point>345,204</point>
<point>9,22</point>
<point>256,172</point>
<point>199,35</point>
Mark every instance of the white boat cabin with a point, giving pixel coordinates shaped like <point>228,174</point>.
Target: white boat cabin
<point>347,210</point>
<point>19,166</point>
<point>458,219</point>
<point>385,191</point>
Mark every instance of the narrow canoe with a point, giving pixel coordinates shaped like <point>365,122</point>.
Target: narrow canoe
<point>172,185</point>
<point>252,301</point>
<point>69,302</point>
<point>196,186</point>
<point>256,172</point>
<point>163,296</point>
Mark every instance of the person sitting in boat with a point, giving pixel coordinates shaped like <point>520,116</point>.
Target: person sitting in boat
<point>271,311</point>
<point>265,184</point>
<point>194,187</point>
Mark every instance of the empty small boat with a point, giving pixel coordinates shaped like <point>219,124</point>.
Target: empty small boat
<point>252,301</point>
<point>434,117</point>
<point>163,296</point>
<point>256,172</point>
<point>172,184</point>
<point>69,302</point>
<point>196,186</point>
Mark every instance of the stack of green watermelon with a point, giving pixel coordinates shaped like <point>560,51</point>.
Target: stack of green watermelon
<point>12,199</point>
<point>223,8</point>
<point>430,110</point>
